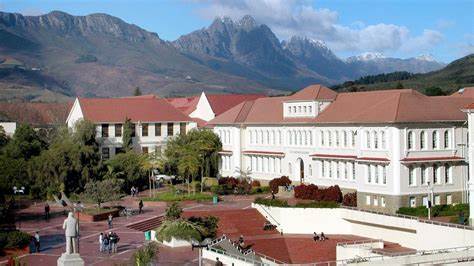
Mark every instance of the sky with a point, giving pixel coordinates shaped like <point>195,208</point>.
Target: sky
<point>395,28</point>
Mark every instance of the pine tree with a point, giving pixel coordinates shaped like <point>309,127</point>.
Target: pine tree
<point>137,92</point>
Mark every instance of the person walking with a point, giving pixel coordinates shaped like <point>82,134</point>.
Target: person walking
<point>106,243</point>
<point>116,240</point>
<point>140,207</point>
<point>132,191</point>
<point>218,262</point>
<point>37,242</point>
<point>101,242</point>
<point>46,211</point>
<point>109,221</point>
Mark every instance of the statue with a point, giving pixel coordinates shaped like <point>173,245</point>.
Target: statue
<point>71,228</point>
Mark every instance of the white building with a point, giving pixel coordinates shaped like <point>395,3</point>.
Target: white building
<point>153,118</point>
<point>392,147</point>
<point>469,109</point>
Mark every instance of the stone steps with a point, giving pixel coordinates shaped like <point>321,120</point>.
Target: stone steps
<point>147,225</point>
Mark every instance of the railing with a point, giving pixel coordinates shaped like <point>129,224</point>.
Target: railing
<point>269,214</point>
<point>460,226</point>
<point>270,258</point>
<point>217,240</point>
<point>358,242</point>
<point>241,258</point>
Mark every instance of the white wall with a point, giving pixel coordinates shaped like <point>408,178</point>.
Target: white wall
<point>75,114</point>
<point>203,109</point>
<point>9,128</point>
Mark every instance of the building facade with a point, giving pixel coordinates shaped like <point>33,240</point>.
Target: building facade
<point>394,148</point>
<point>154,121</point>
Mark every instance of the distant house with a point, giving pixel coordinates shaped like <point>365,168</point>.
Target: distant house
<point>154,121</point>
<point>207,106</point>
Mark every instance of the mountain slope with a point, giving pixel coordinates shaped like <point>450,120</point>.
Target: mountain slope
<point>458,74</point>
<point>101,55</point>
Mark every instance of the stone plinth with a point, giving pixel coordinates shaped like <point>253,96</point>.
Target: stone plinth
<point>70,260</point>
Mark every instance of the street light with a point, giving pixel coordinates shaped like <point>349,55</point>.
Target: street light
<point>78,207</point>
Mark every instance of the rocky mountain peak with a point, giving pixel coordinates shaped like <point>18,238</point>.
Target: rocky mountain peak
<point>247,22</point>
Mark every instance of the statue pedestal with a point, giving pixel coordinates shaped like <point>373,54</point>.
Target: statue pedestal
<point>70,260</point>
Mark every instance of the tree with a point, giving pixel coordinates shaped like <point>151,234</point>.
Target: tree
<point>85,132</point>
<point>188,165</point>
<point>24,144</point>
<point>129,167</point>
<point>434,91</point>
<point>103,191</point>
<point>399,86</point>
<point>137,91</point>
<point>3,137</point>
<point>127,134</point>
<point>173,212</point>
<point>145,255</point>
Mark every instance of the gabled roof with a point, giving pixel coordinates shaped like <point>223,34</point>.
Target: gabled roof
<point>385,106</point>
<point>315,92</point>
<point>36,114</point>
<point>218,102</point>
<point>146,108</point>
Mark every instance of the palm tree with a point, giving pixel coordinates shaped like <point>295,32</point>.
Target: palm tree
<point>188,164</point>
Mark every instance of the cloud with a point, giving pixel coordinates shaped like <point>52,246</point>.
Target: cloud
<point>443,24</point>
<point>298,17</point>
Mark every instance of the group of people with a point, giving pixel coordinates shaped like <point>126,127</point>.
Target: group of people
<point>321,237</point>
<point>108,242</point>
<point>268,226</point>
<point>134,191</point>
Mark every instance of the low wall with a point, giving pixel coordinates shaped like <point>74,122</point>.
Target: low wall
<point>226,259</point>
<point>362,250</point>
<point>408,232</point>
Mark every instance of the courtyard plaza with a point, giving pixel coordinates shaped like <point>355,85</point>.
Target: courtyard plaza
<point>236,218</point>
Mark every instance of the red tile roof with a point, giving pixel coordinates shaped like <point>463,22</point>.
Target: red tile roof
<point>465,92</point>
<point>142,108</point>
<point>315,92</point>
<point>387,106</point>
<point>36,114</point>
<point>431,159</point>
<point>219,102</point>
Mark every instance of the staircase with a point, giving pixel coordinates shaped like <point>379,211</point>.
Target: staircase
<point>147,225</point>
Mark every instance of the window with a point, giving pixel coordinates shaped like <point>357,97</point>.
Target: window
<point>310,168</point>
<point>422,140</point>
<point>410,140</point>
<point>322,138</point>
<point>435,140</point>
<point>412,202</point>
<point>437,200</point>
<point>105,130</point>
<point>323,168</point>
<point>367,200</point>
<point>411,176</point>
<point>338,172</point>
<point>367,139</point>
<point>158,150</point>
<point>435,174</point>
<point>376,201</point>
<point>384,141</point>
<point>353,171</point>
<point>145,150</point>
<point>382,201</point>
<point>170,129</point>
<point>344,134</point>
<point>425,201</point>
<point>105,153</point>
<point>353,138</point>
<point>182,128</point>
<point>310,109</point>
<point>158,129</point>
<point>376,140</point>
<point>449,199</point>
<point>369,174</point>
<point>376,174</point>
<point>424,175</point>
<point>133,130</point>
<point>144,130</point>
<point>384,180</point>
<point>118,130</point>
<point>329,138</point>
<point>119,150</point>
<point>447,139</point>
<point>448,175</point>
<point>289,109</point>
<point>346,170</point>
<point>330,169</point>
<point>336,133</point>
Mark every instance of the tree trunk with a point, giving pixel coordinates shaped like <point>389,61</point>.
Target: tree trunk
<point>202,178</point>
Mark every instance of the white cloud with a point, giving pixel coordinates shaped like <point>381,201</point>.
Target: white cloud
<point>298,17</point>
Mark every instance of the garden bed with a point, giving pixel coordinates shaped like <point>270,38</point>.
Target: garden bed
<point>94,214</point>
<point>171,196</point>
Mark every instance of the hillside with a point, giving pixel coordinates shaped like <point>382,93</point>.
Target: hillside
<point>456,75</point>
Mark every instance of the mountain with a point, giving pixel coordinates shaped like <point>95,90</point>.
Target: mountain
<point>375,63</point>
<point>458,74</point>
<point>101,55</point>
<point>58,56</point>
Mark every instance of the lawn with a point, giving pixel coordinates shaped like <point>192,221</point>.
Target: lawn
<point>171,196</point>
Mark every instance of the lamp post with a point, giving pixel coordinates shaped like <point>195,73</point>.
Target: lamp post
<point>78,207</point>
<point>430,199</point>
<point>21,191</point>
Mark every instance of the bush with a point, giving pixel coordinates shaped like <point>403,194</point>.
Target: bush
<point>14,239</point>
<point>230,185</point>
<point>243,187</point>
<point>276,182</point>
<point>146,254</point>
<point>317,204</point>
<point>229,182</point>
<point>208,224</point>
<point>350,199</point>
<point>271,202</point>
<point>438,210</point>
<point>255,183</point>
<point>179,229</point>
<point>258,190</point>
<point>219,190</point>
<point>417,211</point>
<point>173,212</point>
<point>172,197</point>
<point>312,192</point>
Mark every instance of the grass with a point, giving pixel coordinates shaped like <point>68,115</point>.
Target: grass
<point>95,211</point>
<point>171,196</point>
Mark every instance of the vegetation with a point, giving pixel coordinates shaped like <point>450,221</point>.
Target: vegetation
<point>271,202</point>
<point>127,134</point>
<point>129,167</point>
<point>313,192</point>
<point>317,204</point>
<point>145,255</point>
<point>208,224</point>
<point>173,212</point>
<point>172,196</point>
<point>277,182</point>
<point>456,75</point>
<point>14,239</point>
<point>350,199</point>
<point>438,210</point>
<point>137,91</point>
<point>103,191</point>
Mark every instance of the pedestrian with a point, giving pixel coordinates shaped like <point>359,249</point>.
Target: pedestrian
<point>218,262</point>
<point>140,207</point>
<point>46,211</point>
<point>136,191</point>
<point>273,195</point>
<point>106,243</point>
<point>116,240</point>
<point>101,242</point>
<point>109,221</point>
<point>37,242</point>
<point>132,191</point>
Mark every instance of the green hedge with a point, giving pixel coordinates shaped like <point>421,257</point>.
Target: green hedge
<point>171,196</point>
<point>318,204</point>
<point>272,202</point>
<point>14,239</point>
<point>438,210</point>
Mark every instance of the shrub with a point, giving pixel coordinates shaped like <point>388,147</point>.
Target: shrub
<point>179,229</point>
<point>312,192</point>
<point>271,202</point>
<point>173,196</point>
<point>14,239</point>
<point>276,182</point>
<point>317,204</point>
<point>208,224</point>
<point>350,199</point>
<point>229,182</point>
<point>173,212</point>
<point>243,187</point>
<point>255,183</point>
<point>258,190</point>
<point>417,211</point>
<point>332,193</point>
<point>219,190</point>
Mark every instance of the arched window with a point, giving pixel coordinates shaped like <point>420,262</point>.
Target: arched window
<point>410,140</point>
<point>422,140</point>
<point>290,171</point>
<point>448,175</point>
<point>344,136</point>
<point>384,141</point>
<point>424,175</point>
<point>367,139</point>
<point>299,142</point>
<point>436,174</point>
<point>329,138</point>
<point>435,139</point>
<point>323,143</point>
<point>376,139</point>
<point>336,133</point>
<point>447,139</point>
<point>411,176</point>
